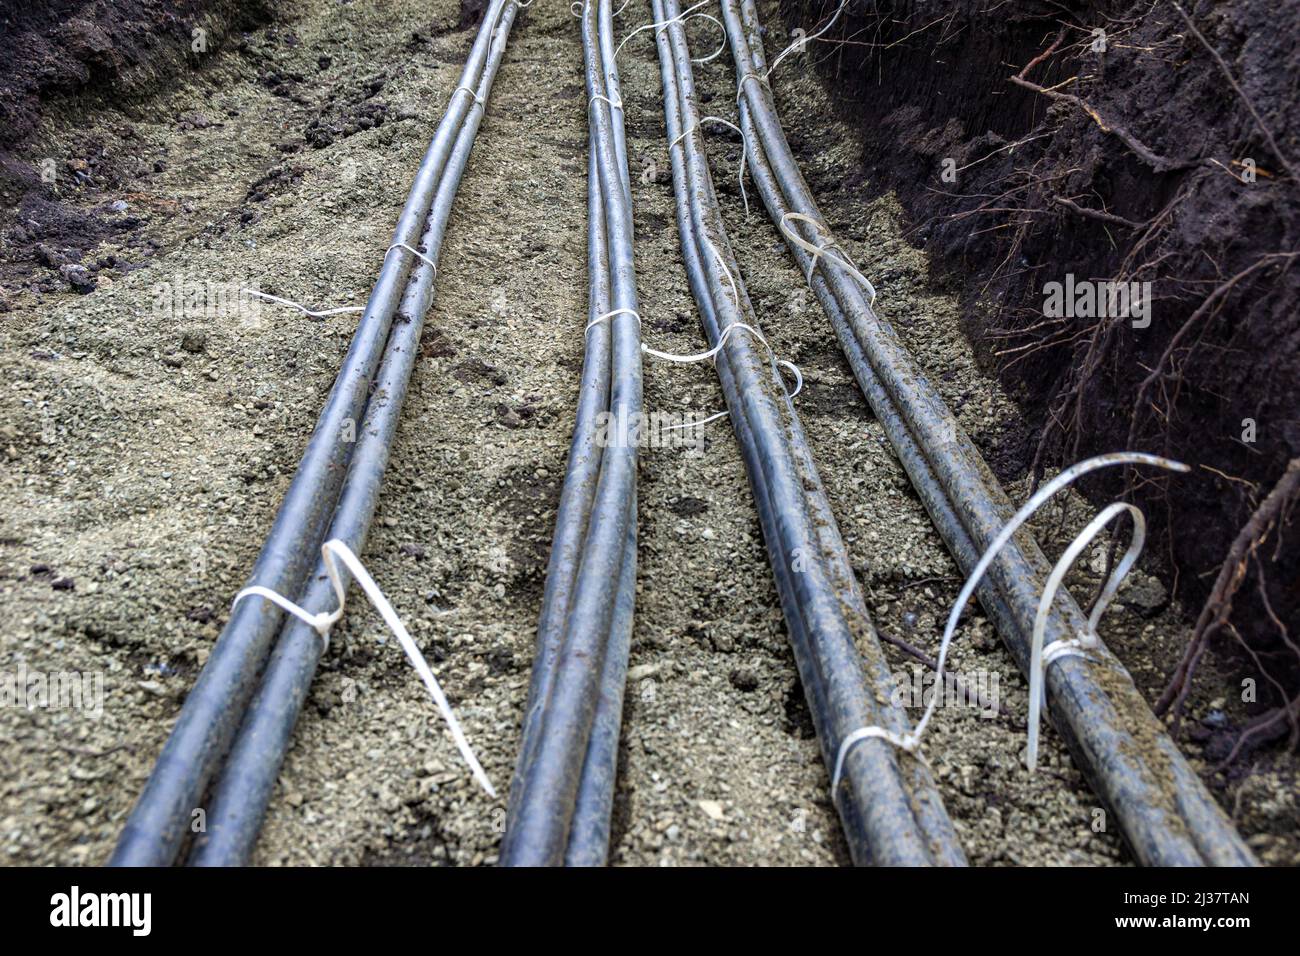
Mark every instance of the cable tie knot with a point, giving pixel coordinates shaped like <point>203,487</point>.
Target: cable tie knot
<point>821,249</point>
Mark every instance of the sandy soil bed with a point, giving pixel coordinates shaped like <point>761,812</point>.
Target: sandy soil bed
<point>145,451</point>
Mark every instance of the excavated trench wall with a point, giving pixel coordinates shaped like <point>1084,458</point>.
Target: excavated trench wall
<point>70,54</point>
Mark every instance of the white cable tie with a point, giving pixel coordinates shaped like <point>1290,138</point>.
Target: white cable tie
<point>699,424</point>
<point>722,341</point>
<point>332,552</point>
<point>659,25</point>
<point>906,742</point>
<point>610,315</point>
<point>320,622</point>
<point>1043,657</point>
<point>802,41</point>
<point>347,308</point>
<point>1058,649</point>
<point>722,264</point>
<point>302,308</point>
<point>798,375</point>
<point>478,100</point>
<point>721,46</point>
<point>819,251</point>
<point>744,149</point>
<point>709,353</point>
<point>749,75</point>
<point>602,96</point>
<point>414,252</point>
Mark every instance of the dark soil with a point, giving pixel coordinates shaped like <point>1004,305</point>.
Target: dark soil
<point>57,52</point>
<point>1154,170</point>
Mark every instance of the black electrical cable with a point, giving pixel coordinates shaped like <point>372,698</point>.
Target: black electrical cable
<point>563,789</point>
<point>890,809</point>
<point>215,707</point>
<point>244,787</point>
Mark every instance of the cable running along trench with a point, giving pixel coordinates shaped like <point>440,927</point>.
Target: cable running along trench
<point>561,799</point>
<point>890,809</point>
<point>1164,811</point>
<point>332,495</point>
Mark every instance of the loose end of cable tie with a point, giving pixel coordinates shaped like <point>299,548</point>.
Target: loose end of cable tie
<point>333,552</point>
<point>302,308</point>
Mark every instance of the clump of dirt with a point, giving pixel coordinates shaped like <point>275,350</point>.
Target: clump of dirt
<point>1093,141</point>
<point>349,110</point>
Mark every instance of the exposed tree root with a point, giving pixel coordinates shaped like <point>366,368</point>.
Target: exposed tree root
<point>1249,103</point>
<point>1161,164</point>
<point>1215,615</point>
<point>1121,147</point>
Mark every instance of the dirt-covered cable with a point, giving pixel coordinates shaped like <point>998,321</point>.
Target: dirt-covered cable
<point>572,715</point>
<point>888,804</point>
<point>244,787</point>
<point>214,708</point>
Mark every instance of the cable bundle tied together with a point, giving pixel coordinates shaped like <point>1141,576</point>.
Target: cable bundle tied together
<point>1042,657</point>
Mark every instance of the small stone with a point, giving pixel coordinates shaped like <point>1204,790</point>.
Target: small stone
<point>713,808</point>
<point>723,643</point>
<point>642,671</point>
<point>1215,718</point>
<point>1144,592</point>
<point>194,342</point>
<point>50,256</point>
<point>63,584</point>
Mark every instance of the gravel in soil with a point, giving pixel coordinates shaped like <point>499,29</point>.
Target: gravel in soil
<point>147,443</point>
